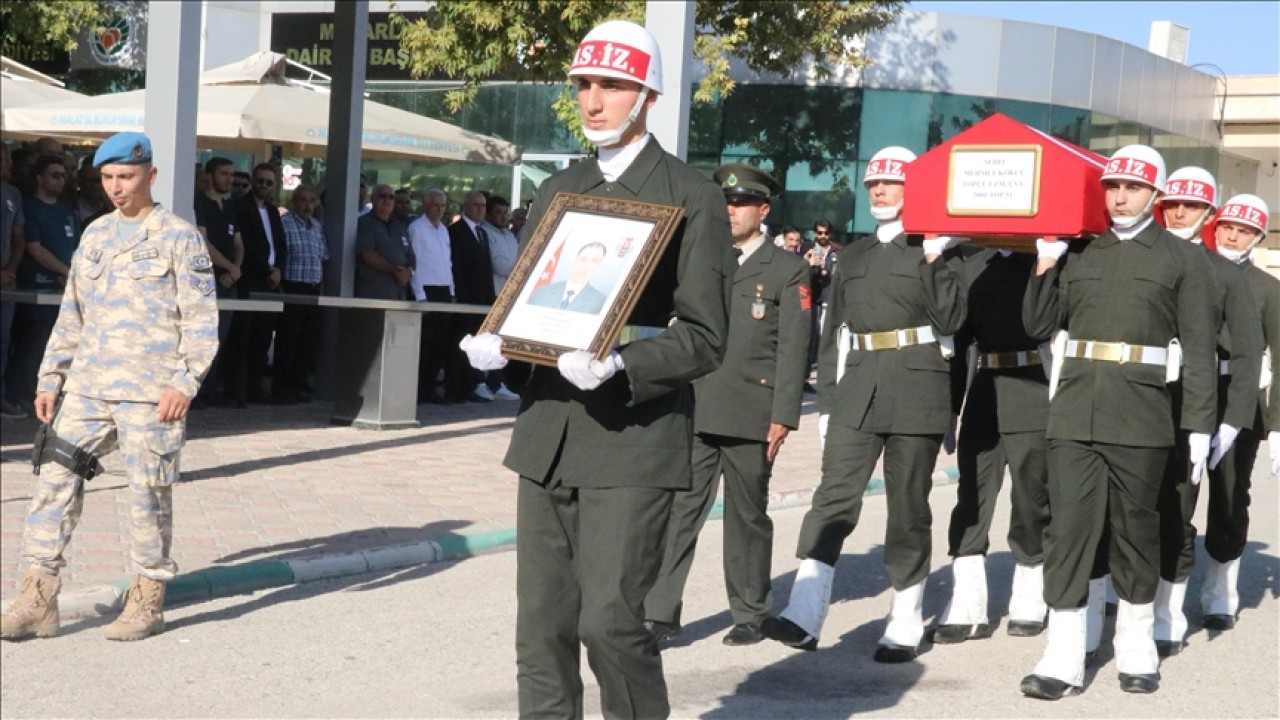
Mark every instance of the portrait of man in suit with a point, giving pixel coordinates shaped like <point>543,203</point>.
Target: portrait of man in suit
<point>576,294</point>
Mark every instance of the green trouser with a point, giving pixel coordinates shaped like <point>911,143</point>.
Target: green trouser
<point>1102,493</point>
<point>848,459</point>
<point>748,531</point>
<point>982,454</point>
<point>585,560</point>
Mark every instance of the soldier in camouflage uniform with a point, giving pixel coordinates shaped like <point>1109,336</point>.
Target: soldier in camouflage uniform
<point>135,335</point>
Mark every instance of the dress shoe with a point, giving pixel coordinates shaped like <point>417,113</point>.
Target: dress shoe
<point>1142,684</point>
<point>1046,688</point>
<point>662,632</point>
<point>1219,622</point>
<point>744,634</point>
<point>1169,648</point>
<point>952,634</point>
<point>895,654</point>
<point>1024,628</point>
<point>788,633</point>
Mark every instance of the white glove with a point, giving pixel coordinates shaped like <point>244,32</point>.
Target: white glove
<point>1052,249</point>
<point>484,351</point>
<point>585,372</point>
<point>823,422</point>
<point>1222,442</point>
<point>1273,441</point>
<point>1198,445</point>
<point>941,244</point>
<point>949,440</point>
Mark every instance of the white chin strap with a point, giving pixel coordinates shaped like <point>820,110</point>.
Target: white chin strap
<point>1127,221</point>
<point>1238,256</point>
<point>886,213</point>
<point>1192,233</point>
<point>606,138</point>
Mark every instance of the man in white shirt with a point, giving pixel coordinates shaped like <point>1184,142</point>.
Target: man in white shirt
<point>432,282</point>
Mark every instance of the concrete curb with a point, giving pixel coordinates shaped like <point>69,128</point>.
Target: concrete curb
<point>218,582</point>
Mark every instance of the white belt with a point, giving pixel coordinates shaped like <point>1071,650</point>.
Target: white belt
<point>1004,360</point>
<point>892,339</point>
<point>1117,352</point>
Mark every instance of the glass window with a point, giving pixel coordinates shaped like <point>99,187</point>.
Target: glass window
<point>893,117</point>
<point>953,114</point>
<point>1070,124</point>
<point>1033,114</point>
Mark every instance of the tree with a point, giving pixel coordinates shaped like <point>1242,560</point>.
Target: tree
<point>535,39</point>
<point>48,23</point>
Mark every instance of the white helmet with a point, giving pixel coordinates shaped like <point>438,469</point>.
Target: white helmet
<point>889,164</point>
<point>625,50</point>
<point>1141,164</point>
<point>1191,184</point>
<point>1248,210</point>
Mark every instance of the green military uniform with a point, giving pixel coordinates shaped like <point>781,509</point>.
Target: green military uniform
<point>891,400</point>
<point>1240,346</point>
<point>760,382</point>
<point>1111,423</point>
<point>598,469</point>
<point>1006,410</point>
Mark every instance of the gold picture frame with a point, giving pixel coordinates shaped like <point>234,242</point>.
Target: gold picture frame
<point>974,206</point>
<point>579,276</point>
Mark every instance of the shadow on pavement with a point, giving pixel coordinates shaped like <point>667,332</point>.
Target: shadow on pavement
<point>349,542</point>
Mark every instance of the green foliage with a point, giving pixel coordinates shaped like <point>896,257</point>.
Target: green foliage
<point>47,23</point>
<point>534,40</point>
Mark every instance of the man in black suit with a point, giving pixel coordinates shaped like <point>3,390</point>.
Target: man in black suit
<point>473,285</point>
<point>264,257</point>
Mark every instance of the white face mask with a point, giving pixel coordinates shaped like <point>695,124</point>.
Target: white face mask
<point>1125,222</point>
<point>606,138</point>
<point>887,212</point>
<point>1237,256</point>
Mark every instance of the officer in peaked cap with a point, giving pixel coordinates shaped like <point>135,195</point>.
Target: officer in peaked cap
<point>742,414</point>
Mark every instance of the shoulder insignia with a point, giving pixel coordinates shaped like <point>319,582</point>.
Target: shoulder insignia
<point>203,285</point>
<point>200,263</point>
<point>149,253</point>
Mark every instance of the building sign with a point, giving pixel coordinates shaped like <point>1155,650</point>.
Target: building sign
<point>119,42</point>
<point>994,180</point>
<point>307,38</point>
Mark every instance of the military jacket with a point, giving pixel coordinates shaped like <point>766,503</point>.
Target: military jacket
<point>636,429</point>
<point>1143,291</point>
<point>1240,342</point>
<point>879,287</point>
<point>1266,292</point>
<point>137,316</point>
<point>761,380</point>
<point>1020,396</point>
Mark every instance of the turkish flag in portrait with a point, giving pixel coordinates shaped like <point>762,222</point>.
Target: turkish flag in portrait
<point>549,271</point>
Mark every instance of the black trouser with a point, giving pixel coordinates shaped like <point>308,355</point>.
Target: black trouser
<point>982,454</point>
<point>211,387</point>
<point>585,560</point>
<point>1096,489</point>
<point>296,337</point>
<point>847,462</point>
<point>460,379</point>
<point>433,353</point>
<point>32,326</point>
<point>247,345</point>
<point>748,531</point>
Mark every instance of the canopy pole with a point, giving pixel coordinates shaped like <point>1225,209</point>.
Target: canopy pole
<point>346,131</point>
<point>173,99</point>
<point>672,24</point>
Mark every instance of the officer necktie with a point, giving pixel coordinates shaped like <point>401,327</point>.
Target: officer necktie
<point>568,298</point>
<point>483,236</point>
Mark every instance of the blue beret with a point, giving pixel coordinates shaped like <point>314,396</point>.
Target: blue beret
<point>126,148</point>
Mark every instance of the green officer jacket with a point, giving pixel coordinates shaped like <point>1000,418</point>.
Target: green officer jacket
<point>888,286</point>
<point>636,429</point>
<point>761,380</point>
<point>1266,291</point>
<point>1143,291</point>
<point>1239,342</point>
<point>1020,396</point>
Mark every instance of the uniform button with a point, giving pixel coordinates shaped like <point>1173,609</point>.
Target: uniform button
<point>763,381</point>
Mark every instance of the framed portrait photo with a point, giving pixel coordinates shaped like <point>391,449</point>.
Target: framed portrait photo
<point>579,276</point>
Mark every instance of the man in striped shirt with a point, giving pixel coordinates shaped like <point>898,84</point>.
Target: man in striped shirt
<point>299,328</point>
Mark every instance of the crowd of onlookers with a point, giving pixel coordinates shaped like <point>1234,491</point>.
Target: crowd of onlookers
<point>259,246</point>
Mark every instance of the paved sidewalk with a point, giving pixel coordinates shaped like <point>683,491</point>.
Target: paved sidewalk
<point>270,486</point>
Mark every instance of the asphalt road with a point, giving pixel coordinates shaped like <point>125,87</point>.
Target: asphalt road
<point>437,642</point>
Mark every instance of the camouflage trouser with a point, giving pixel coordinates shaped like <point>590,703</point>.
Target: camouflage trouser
<point>150,450</point>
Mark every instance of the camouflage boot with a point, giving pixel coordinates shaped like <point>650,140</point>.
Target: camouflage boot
<point>142,616</point>
<point>35,612</point>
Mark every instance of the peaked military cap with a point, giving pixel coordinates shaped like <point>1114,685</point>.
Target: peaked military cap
<point>739,180</point>
<point>126,148</point>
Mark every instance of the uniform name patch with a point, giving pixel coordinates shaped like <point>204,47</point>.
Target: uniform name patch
<point>93,254</point>
<point>203,285</point>
<point>200,263</point>
<point>146,254</point>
